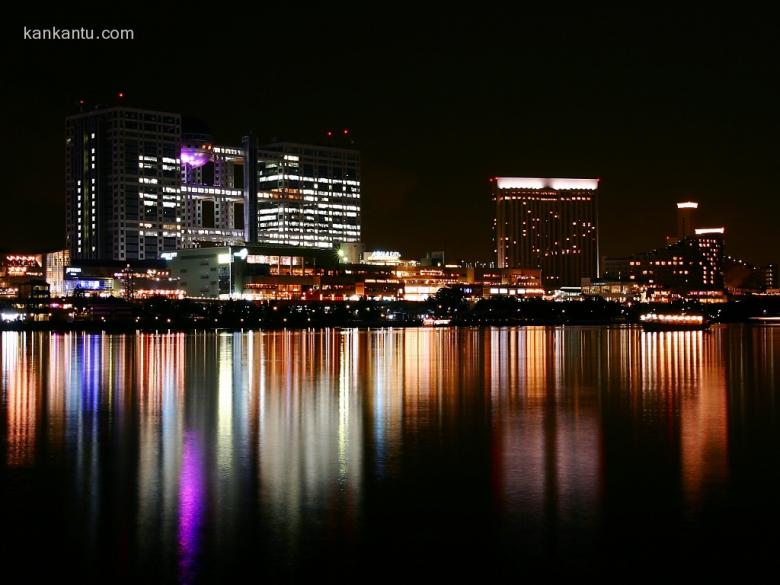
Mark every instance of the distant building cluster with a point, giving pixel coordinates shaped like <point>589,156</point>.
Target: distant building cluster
<point>692,265</point>
<point>155,207</point>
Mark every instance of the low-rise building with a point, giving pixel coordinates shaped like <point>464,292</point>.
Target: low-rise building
<point>251,272</point>
<point>614,290</point>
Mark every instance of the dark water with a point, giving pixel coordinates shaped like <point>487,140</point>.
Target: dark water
<point>420,455</point>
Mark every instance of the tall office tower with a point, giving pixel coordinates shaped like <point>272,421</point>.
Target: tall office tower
<point>212,188</point>
<point>550,224</point>
<point>307,195</point>
<point>686,223</point>
<point>122,184</point>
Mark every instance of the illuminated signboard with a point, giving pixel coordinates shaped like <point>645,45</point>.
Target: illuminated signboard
<point>88,284</point>
<point>382,256</point>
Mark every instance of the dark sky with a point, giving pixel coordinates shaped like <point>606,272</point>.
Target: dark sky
<point>661,107</point>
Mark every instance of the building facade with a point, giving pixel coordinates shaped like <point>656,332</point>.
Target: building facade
<point>18,270</point>
<point>122,184</point>
<point>212,190</point>
<point>307,195</point>
<point>55,271</point>
<point>549,224</point>
<point>690,265</point>
<point>250,272</point>
<point>137,188</point>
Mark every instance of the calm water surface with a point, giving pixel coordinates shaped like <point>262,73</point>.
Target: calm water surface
<point>418,454</point>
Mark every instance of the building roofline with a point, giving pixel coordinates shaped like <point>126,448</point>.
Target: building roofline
<point>539,183</point>
<point>103,110</point>
<point>307,145</point>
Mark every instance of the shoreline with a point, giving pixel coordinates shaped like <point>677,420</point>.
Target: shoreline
<point>135,330</point>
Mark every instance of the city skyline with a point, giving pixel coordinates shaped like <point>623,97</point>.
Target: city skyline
<point>658,125</point>
<point>291,291</point>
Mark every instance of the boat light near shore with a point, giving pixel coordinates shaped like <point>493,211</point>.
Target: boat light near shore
<point>672,321</point>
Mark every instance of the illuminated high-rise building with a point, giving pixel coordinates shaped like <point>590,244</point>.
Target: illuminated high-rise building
<point>122,184</point>
<point>551,224</point>
<point>139,188</point>
<point>306,195</point>
<point>212,189</point>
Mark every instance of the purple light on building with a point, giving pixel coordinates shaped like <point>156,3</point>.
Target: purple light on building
<point>194,157</point>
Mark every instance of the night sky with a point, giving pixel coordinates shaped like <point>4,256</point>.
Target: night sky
<point>661,107</point>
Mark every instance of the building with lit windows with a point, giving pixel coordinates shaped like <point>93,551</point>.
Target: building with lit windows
<point>19,270</point>
<point>55,271</point>
<point>263,272</point>
<point>137,188</point>
<point>306,195</point>
<point>122,183</point>
<point>769,276</point>
<point>250,272</point>
<point>138,279</point>
<point>547,224</point>
<point>212,191</point>
<point>692,266</point>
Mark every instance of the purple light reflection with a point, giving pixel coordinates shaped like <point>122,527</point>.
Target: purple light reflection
<point>191,501</point>
<point>194,157</point>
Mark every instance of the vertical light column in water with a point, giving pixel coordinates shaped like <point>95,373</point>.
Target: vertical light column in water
<point>704,416</point>
<point>191,505</point>
<point>225,403</point>
<point>172,431</point>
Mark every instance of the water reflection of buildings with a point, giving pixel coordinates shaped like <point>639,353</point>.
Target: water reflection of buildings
<point>557,397</point>
<point>547,440</point>
<point>686,374</point>
<point>21,389</point>
<point>152,390</point>
<point>180,438</point>
<point>310,426</point>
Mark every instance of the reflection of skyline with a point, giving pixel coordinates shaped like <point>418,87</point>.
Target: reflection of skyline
<point>182,439</point>
<point>547,457</point>
<point>310,427</point>
<point>548,415</point>
<point>21,389</point>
